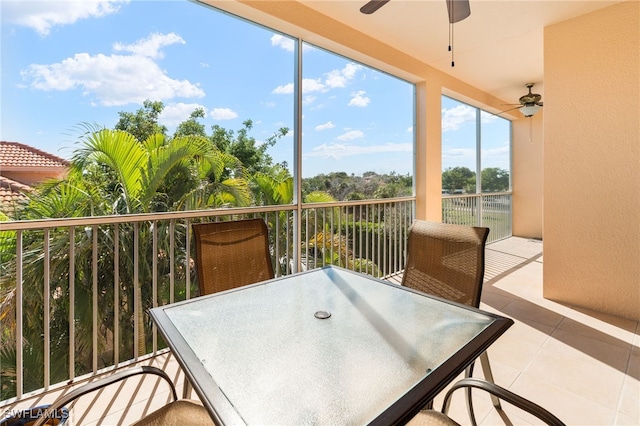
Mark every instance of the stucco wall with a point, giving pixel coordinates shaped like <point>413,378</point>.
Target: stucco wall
<point>592,161</point>
<point>527,175</point>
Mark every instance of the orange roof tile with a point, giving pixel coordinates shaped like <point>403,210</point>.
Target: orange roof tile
<point>12,192</point>
<point>17,155</point>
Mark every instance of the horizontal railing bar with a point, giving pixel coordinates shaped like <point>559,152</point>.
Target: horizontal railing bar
<point>358,202</point>
<point>474,195</point>
<point>128,218</point>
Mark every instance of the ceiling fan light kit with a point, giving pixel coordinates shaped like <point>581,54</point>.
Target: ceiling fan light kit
<point>529,104</point>
<point>529,110</point>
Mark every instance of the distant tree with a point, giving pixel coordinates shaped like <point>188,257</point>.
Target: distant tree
<point>144,122</point>
<point>370,185</point>
<point>191,127</point>
<point>392,190</point>
<point>458,178</point>
<point>253,156</point>
<point>495,179</point>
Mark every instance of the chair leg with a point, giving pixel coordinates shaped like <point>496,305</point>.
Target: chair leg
<point>488,375</point>
<point>468,373</point>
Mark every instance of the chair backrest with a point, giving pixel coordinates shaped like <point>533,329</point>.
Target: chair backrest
<point>446,260</point>
<point>231,254</point>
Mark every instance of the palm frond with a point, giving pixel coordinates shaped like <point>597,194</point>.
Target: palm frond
<point>123,154</point>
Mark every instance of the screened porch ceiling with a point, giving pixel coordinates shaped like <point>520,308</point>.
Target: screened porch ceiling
<point>497,49</point>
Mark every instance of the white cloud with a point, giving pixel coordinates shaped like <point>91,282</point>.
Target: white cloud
<point>334,79</point>
<point>286,43</point>
<point>458,152</point>
<point>287,89</point>
<point>308,85</point>
<point>113,80</point>
<point>453,118</point>
<point>338,151</point>
<point>309,99</point>
<point>350,135</point>
<point>174,114</point>
<point>351,69</point>
<point>150,46</point>
<point>41,16</point>
<point>325,126</point>
<point>500,152</point>
<point>359,99</point>
<point>340,78</point>
<point>223,114</point>
<point>283,42</point>
<point>409,129</point>
<point>486,117</point>
<point>458,157</point>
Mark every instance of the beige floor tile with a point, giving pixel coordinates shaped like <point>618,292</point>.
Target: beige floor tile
<point>495,299</point>
<point>597,325</point>
<point>630,398</point>
<point>624,420</point>
<point>513,353</point>
<point>579,374</point>
<point>498,263</point>
<point>522,247</point>
<point>577,347</point>
<point>571,408</point>
<point>527,311</point>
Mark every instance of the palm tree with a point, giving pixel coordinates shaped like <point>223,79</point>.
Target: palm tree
<point>111,173</point>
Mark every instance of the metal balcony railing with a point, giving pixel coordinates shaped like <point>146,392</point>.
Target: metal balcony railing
<point>75,292</point>
<point>489,210</point>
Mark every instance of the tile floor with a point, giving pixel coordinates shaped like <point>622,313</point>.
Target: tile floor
<point>582,366</point>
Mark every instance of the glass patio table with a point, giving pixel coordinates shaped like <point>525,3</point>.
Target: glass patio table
<point>327,346</point>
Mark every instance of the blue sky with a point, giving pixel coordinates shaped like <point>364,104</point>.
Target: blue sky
<point>67,63</point>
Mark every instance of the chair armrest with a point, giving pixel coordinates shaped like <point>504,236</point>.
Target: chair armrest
<point>505,395</point>
<point>101,383</point>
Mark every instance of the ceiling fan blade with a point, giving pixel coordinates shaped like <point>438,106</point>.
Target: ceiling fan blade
<point>372,6</point>
<point>458,10</point>
<point>510,109</point>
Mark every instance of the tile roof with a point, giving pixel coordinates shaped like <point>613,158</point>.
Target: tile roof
<point>18,155</point>
<point>12,192</point>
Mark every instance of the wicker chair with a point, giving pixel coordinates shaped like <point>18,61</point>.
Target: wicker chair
<point>178,412</point>
<point>231,254</point>
<point>437,418</point>
<point>448,261</point>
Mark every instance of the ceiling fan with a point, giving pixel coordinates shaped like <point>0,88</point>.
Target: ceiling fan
<point>528,104</point>
<point>458,9</point>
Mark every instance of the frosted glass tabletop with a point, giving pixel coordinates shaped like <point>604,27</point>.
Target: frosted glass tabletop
<point>324,347</point>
